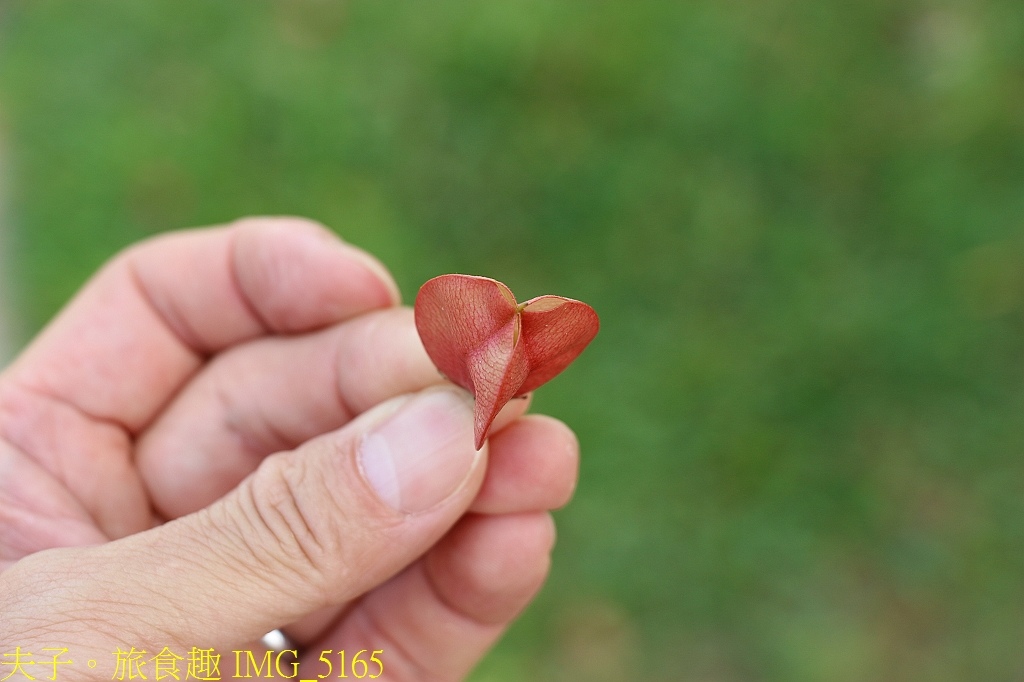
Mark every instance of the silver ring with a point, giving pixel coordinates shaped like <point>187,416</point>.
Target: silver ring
<point>275,640</point>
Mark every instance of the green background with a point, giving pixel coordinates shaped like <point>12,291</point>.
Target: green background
<point>800,222</point>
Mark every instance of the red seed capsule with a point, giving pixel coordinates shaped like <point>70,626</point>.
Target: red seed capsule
<point>476,334</point>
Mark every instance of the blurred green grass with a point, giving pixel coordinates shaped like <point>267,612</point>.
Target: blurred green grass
<point>800,222</point>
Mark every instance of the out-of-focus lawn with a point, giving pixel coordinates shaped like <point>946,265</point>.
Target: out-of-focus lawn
<point>801,223</point>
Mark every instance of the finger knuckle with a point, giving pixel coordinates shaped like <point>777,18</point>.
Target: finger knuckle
<point>286,512</point>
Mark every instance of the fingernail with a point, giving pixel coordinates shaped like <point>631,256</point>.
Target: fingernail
<point>421,454</point>
<point>377,268</point>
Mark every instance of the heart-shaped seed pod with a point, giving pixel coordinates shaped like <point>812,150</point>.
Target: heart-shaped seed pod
<point>481,339</point>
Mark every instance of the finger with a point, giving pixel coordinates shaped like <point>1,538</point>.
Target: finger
<point>271,395</point>
<point>147,320</point>
<point>36,511</point>
<point>310,528</point>
<point>533,466</point>
<point>274,394</point>
<point>437,619</point>
<point>90,460</point>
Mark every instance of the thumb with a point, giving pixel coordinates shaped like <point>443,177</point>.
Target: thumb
<point>310,528</point>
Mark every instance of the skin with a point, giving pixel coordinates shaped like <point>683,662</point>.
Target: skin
<point>178,468</point>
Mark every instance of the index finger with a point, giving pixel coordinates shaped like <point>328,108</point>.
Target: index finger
<point>147,320</point>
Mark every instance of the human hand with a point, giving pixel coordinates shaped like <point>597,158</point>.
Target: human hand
<point>236,429</point>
